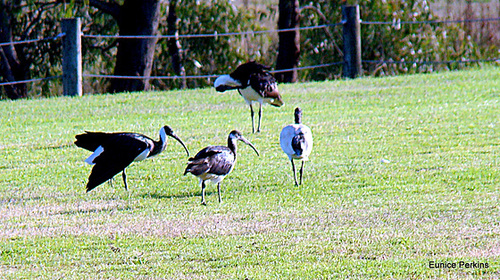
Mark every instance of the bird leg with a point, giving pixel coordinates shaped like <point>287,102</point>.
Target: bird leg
<point>260,116</point>
<point>294,175</point>
<point>218,191</point>
<point>203,202</point>
<point>111,182</point>
<point>124,176</point>
<point>300,172</point>
<point>251,114</point>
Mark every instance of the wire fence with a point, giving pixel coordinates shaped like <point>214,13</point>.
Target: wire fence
<point>60,35</point>
<point>398,23</point>
<point>211,35</point>
<point>431,62</point>
<point>216,35</point>
<point>430,21</point>
<point>31,41</point>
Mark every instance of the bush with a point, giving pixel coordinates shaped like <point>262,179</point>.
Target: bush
<point>419,43</point>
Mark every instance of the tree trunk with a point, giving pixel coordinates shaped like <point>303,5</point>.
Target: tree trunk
<point>11,67</point>
<point>135,56</point>
<point>174,47</point>
<point>289,42</point>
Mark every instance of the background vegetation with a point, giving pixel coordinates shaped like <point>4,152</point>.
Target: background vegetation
<point>404,171</point>
<point>398,42</point>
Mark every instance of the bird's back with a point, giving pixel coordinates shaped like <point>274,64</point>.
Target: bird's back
<point>266,87</point>
<point>296,141</point>
<point>91,140</point>
<point>217,160</point>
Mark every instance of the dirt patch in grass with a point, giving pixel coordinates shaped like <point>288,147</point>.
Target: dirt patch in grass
<point>116,217</point>
<point>362,226</point>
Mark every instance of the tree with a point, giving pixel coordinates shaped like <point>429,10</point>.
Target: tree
<point>12,68</point>
<point>134,57</point>
<point>174,46</point>
<point>289,41</point>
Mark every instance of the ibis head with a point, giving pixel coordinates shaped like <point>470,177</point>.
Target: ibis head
<point>168,131</point>
<point>236,135</point>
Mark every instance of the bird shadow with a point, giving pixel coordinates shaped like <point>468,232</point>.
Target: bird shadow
<point>165,196</point>
<point>172,196</point>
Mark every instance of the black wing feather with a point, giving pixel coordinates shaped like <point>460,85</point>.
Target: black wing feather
<point>265,85</point>
<point>120,150</point>
<point>106,167</point>
<point>91,140</point>
<point>212,159</point>
<point>221,163</point>
<point>298,142</point>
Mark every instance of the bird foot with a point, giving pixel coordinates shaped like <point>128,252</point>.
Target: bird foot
<point>203,203</point>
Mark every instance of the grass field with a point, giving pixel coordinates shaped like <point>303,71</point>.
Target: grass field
<point>404,171</point>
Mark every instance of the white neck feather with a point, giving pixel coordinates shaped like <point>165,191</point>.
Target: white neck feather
<point>163,136</point>
<point>227,81</point>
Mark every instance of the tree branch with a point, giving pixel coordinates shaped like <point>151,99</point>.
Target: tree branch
<point>110,8</point>
<point>323,17</point>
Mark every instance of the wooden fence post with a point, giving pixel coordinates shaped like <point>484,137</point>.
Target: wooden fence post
<point>352,42</point>
<point>72,57</point>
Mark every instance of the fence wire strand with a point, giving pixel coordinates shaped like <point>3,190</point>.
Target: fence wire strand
<point>429,21</point>
<point>30,80</point>
<point>216,35</point>
<point>210,35</point>
<point>201,76</point>
<point>60,35</point>
<point>431,62</point>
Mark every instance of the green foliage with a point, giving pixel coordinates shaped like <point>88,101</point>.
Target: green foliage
<point>209,55</point>
<point>202,56</point>
<point>396,42</point>
<point>36,20</point>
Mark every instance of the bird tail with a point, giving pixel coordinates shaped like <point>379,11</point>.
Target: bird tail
<point>197,167</point>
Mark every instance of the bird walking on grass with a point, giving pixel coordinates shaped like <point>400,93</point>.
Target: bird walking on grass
<point>297,142</point>
<point>254,85</point>
<point>113,152</point>
<point>214,163</point>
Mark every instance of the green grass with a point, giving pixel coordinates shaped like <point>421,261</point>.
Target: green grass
<point>404,171</point>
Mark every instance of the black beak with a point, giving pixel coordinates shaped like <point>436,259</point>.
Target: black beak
<point>180,141</point>
<point>244,140</point>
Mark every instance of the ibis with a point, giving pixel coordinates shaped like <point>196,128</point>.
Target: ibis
<point>297,142</point>
<point>214,163</point>
<point>254,84</point>
<point>113,152</point>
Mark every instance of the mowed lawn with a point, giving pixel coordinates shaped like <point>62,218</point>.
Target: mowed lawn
<point>404,172</point>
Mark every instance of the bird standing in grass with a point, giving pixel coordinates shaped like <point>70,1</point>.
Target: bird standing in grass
<point>214,163</point>
<point>297,142</point>
<point>254,85</point>
<point>113,152</point>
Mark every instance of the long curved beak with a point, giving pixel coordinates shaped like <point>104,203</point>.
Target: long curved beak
<point>180,141</point>
<point>244,140</point>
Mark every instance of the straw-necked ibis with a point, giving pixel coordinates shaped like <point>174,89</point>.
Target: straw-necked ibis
<point>113,152</point>
<point>297,142</point>
<point>216,162</point>
<point>254,85</point>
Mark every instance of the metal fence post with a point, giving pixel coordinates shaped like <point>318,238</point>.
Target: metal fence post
<point>352,42</point>
<point>72,57</point>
